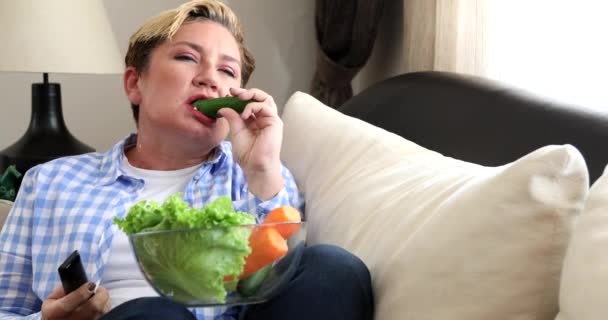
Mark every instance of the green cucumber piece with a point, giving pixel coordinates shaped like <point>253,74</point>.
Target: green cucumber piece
<point>249,285</point>
<point>210,107</point>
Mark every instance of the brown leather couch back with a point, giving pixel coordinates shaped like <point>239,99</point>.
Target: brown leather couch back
<point>477,120</point>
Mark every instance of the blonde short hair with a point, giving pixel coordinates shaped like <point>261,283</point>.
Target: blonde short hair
<point>161,28</point>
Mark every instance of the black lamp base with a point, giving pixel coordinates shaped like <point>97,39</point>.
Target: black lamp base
<point>33,149</point>
<point>47,136</point>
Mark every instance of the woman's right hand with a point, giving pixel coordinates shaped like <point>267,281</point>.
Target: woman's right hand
<point>82,303</point>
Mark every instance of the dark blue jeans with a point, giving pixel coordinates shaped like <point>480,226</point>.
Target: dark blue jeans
<point>330,283</point>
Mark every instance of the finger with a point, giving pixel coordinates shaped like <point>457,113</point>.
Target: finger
<point>57,293</point>
<point>235,121</point>
<point>259,109</point>
<point>97,304</point>
<point>236,91</point>
<point>100,299</point>
<point>253,94</point>
<point>108,306</point>
<point>77,297</point>
<point>51,307</point>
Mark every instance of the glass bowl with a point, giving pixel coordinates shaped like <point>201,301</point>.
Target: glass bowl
<point>221,265</point>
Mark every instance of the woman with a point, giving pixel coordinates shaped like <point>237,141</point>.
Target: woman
<point>193,52</point>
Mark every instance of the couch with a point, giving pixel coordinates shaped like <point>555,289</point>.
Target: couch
<point>466,199</point>
<point>5,206</point>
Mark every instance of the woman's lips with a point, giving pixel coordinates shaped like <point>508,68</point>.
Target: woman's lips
<point>200,116</point>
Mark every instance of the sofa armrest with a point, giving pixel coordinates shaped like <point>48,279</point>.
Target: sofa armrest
<point>5,207</point>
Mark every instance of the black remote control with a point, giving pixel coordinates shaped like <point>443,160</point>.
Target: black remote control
<point>72,273</point>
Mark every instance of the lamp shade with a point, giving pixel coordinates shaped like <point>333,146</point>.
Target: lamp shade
<point>58,36</point>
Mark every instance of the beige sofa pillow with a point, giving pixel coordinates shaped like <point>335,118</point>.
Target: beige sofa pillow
<point>443,238</point>
<point>584,286</point>
<point>5,207</point>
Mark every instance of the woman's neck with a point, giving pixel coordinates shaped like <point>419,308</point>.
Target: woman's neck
<point>152,154</point>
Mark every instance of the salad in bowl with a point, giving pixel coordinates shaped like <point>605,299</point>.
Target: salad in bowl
<point>215,255</point>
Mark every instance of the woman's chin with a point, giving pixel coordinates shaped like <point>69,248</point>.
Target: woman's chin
<point>214,135</point>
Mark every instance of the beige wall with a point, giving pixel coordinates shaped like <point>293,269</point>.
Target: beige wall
<point>279,32</point>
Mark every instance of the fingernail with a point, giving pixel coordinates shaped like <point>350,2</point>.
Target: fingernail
<point>92,286</point>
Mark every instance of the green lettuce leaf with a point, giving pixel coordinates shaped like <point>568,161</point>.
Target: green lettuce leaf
<point>189,265</point>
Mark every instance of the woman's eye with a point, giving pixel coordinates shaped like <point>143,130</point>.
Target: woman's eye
<point>228,72</point>
<point>185,58</point>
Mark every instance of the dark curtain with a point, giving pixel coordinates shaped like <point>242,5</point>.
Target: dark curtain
<point>346,30</point>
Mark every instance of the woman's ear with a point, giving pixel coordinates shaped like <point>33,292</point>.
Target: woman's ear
<point>130,83</point>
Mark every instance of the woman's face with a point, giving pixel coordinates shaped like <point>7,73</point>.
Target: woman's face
<point>202,61</point>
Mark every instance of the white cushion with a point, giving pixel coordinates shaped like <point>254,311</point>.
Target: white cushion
<point>584,287</point>
<point>443,238</point>
<point>5,207</point>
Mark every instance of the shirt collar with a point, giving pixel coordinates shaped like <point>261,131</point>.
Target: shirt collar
<point>111,164</point>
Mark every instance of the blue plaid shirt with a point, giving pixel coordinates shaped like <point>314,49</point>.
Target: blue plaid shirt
<point>69,204</point>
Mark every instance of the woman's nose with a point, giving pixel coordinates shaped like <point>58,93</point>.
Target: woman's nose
<point>206,78</point>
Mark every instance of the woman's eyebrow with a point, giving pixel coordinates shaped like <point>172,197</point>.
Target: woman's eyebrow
<point>231,59</point>
<point>200,49</point>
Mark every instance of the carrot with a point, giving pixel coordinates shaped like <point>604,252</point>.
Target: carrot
<point>267,246</point>
<point>269,243</point>
<point>284,214</point>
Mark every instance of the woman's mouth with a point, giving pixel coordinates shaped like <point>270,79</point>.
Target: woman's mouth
<point>197,114</point>
<point>200,116</point>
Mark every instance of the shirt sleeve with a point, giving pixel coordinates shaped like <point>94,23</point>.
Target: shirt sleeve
<point>17,299</point>
<point>289,195</point>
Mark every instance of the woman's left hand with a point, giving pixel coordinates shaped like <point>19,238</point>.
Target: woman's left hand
<point>256,135</point>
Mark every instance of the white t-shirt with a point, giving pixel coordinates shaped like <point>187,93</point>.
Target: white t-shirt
<point>122,277</point>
